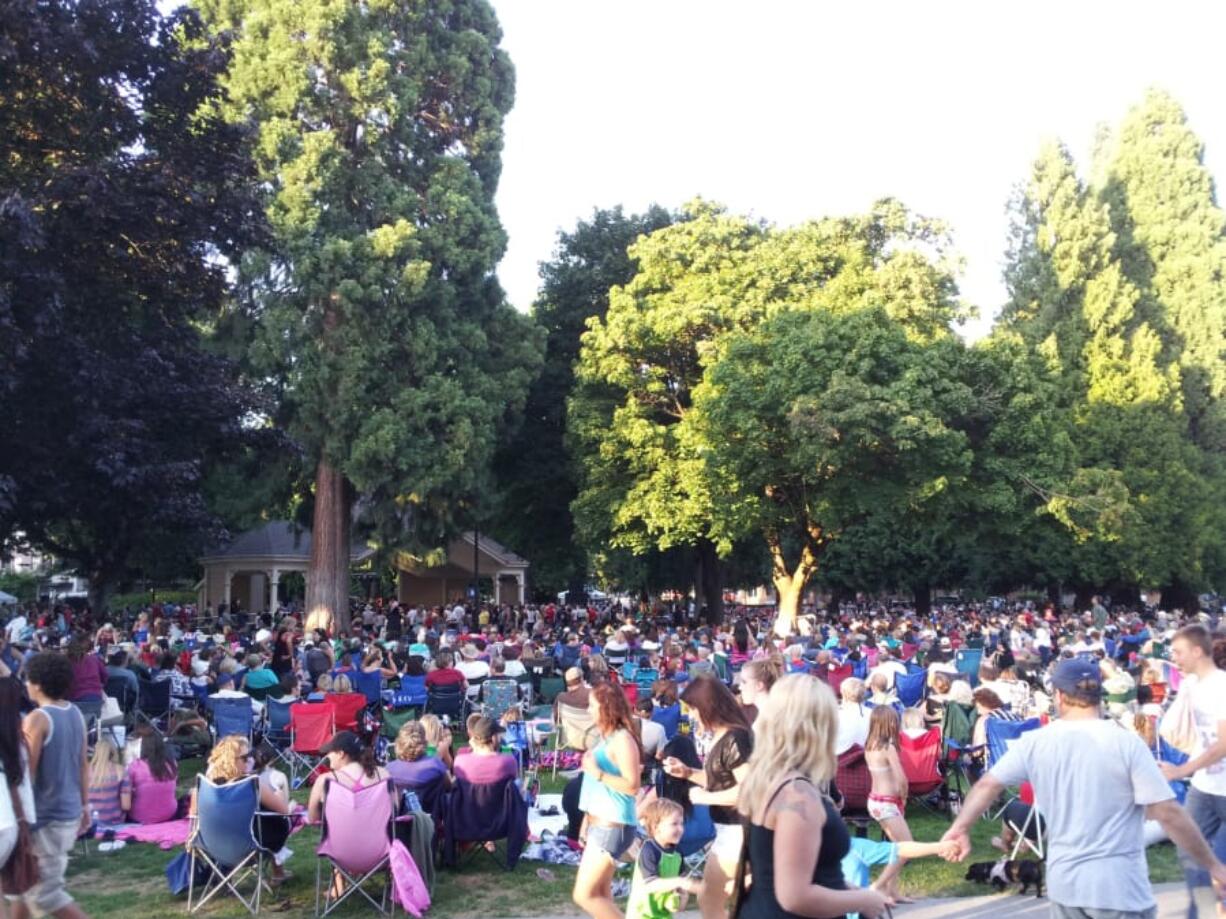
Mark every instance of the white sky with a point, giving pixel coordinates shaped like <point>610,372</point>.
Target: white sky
<point>793,109</point>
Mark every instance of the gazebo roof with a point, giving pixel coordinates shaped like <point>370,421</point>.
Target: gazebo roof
<point>277,539</point>
<point>497,550</point>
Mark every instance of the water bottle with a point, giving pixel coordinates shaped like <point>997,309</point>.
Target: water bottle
<point>94,826</point>
<point>411,803</point>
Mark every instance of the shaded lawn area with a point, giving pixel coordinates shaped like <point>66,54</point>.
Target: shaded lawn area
<point>131,884</point>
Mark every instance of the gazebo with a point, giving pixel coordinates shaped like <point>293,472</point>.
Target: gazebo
<point>249,569</point>
<point>435,585</point>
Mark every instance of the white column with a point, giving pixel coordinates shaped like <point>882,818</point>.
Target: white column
<point>257,580</point>
<point>519,580</point>
<point>274,579</point>
<point>498,588</point>
<point>227,574</point>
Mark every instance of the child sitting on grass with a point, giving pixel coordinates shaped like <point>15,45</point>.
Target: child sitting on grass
<point>658,889</point>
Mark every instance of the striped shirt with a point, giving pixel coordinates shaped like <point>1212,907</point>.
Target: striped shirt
<point>104,801</point>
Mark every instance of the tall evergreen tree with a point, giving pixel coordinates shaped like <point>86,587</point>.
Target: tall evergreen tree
<point>379,141</point>
<point>1141,517</point>
<point>535,476</point>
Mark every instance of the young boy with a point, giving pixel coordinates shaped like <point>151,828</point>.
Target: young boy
<point>55,738</point>
<point>658,889</point>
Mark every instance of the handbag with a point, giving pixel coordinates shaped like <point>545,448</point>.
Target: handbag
<point>20,872</point>
<point>1178,725</point>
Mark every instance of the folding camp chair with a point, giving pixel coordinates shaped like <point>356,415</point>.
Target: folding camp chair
<point>356,840</point>
<point>957,730</point>
<point>447,701</point>
<point>669,718</point>
<point>369,685</point>
<point>485,813</point>
<point>223,839</point>
<point>153,705</point>
<point>276,728</point>
<point>412,692</point>
<point>1029,829</point>
<point>967,661</point>
<point>576,731</point>
<point>345,707</point>
<point>920,758</point>
<point>551,687</point>
<point>232,716</point>
<point>498,695</point>
<point>910,688</point>
<point>1000,734</point>
<point>311,725</point>
<point>394,719</point>
<point>645,678</point>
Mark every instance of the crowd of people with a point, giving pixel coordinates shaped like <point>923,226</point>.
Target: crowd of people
<point>737,721</point>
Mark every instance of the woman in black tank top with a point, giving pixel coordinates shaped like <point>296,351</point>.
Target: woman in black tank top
<point>796,872</point>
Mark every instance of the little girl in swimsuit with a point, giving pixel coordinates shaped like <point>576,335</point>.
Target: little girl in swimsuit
<point>887,800</point>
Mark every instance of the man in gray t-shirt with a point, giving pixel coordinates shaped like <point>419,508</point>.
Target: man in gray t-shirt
<point>1094,784</point>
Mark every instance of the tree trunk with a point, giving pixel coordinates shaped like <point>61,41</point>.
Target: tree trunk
<point>327,579</point>
<point>789,583</point>
<point>1178,595</point>
<point>789,589</point>
<point>101,589</point>
<point>1082,599</point>
<point>712,581</point>
<point>923,599</point>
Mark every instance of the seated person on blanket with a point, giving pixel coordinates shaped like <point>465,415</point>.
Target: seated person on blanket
<point>659,887</point>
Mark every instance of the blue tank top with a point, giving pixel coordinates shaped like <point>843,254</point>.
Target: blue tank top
<point>598,799</point>
<point>57,787</point>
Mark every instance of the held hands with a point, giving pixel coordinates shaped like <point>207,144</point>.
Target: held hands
<point>960,842</point>
<point>950,851</point>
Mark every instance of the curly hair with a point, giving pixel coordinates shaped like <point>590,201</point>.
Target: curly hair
<point>411,741</point>
<point>228,759</point>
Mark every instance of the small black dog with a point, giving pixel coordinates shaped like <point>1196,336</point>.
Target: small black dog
<point>1005,872</point>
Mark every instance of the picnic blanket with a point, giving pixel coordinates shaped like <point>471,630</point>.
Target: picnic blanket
<point>174,832</point>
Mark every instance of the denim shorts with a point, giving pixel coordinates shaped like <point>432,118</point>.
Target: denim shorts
<point>612,840</point>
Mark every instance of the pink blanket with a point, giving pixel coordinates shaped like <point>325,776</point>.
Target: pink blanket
<point>174,832</point>
<point>167,835</point>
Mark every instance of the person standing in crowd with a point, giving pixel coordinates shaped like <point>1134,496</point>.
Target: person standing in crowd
<point>797,840</point>
<point>55,741</point>
<point>611,776</point>
<point>14,761</point>
<point>724,768</point>
<point>1205,685</point>
<point>1094,785</point>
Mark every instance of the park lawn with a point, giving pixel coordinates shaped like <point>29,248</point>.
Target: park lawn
<point>131,884</point>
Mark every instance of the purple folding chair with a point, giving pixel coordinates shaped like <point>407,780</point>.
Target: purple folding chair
<point>352,844</point>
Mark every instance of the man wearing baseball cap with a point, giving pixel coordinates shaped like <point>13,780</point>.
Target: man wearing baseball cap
<point>1095,785</point>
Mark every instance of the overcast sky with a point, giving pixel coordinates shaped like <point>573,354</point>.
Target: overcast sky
<point>794,110</point>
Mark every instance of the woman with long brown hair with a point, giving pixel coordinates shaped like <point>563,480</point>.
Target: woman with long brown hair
<point>725,767</point>
<point>14,762</point>
<point>611,776</point>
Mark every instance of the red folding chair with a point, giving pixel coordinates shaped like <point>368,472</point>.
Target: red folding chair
<point>311,725</point>
<point>346,706</point>
<point>920,757</point>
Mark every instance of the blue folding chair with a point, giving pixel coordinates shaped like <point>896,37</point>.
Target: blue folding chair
<point>967,661</point>
<point>232,717</point>
<point>859,669</point>
<point>368,684</point>
<point>1001,733</point>
<point>629,671</point>
<point>645,678</point>
<point>910,688</point>
<point>153,704</point>
<point>411,694</point>
<point>222,837</point>
<point>669,718</point>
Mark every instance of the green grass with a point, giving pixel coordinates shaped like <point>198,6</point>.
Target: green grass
<point>131,884</point>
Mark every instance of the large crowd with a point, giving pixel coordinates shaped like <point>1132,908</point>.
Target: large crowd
<point>661,720</point>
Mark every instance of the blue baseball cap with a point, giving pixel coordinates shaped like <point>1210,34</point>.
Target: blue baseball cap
<point>1073,674</point>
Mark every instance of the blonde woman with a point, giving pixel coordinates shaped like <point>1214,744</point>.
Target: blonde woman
<point>797,840</point>
<point>231,761</point>
<point>110,796</point>
<point>438,735</point>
